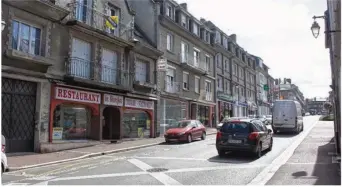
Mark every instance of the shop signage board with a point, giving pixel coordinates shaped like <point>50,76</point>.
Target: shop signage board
<point>77,95</point>
<point>137,103</point>
<point>162,64</point>
<point>113,100</point>
<point>57,133</point>
<point>223,96</point>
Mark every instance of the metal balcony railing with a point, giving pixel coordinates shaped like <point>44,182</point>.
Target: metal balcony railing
<point>98,72</point>
<point>173,87</point>
<point>86,14</point>
<point>194,62</point>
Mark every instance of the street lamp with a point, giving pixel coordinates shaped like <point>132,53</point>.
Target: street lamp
<point>315,27</point>
<point>3,24</point>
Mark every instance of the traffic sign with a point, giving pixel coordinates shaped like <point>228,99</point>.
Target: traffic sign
<point>266,88</point>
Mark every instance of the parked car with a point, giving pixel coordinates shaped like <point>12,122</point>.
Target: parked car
<point>4,165</point>
<point>269,119</point>
<point>166,124</point>
<point>307,114</point>
<point>287,116</point>
<point>230,119</point>
<point>252,137</point>
<point>186,130</point>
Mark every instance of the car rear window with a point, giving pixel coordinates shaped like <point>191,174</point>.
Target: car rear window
<point>235,127</point>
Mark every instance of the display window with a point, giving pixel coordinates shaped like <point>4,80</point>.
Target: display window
<point>136,124</point>
<point>71,122</point>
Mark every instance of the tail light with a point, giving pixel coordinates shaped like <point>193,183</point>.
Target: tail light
<point>3,148</point>
<point>218,135</point>
<point>253,136</point>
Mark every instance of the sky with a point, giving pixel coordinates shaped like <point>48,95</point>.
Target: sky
<point>279,32</point>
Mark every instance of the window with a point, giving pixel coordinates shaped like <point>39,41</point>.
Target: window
<point>208,90</point>
<point>169,42</point>
<point>242,127</point>
<point>186,80</point>
<point>26,38</point>
<point>219,83</point>
<point>208,36</point>
<point>111,11</point>
<point>251,78</point>
<point>141,71</point>
<point>227,87</point>
<point>249,95</point>
<point>184,22</point>
<point>234,69</point>
<point>195,29</point>
<point>207,62</point>
<point>197,84</point>
<point>226,65</point>
<point>75,122</point>
<point>169,11</point>
<point>218,61</point>
<point>196,57</point>
<point>242,91</point>
<point>218,37</point>
<point>185,52</point>
<point>237,52</point>
<point>241,73</point>
<point>225,43</point>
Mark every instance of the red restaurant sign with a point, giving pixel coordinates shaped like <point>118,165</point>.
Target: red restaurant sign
<point>77,95</point>
<point>137,103</point>
<point>113,100</point>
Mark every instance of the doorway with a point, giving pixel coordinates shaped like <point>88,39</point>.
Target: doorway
<point>111,123</point>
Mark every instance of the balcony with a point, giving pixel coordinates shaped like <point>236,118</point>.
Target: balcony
<point>173,87</point>
<point>44,8</point>
<point>85,15</point>
<point>91,72</point>
<point>189,62</point>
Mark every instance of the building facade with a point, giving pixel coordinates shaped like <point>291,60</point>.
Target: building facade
<point>291,92</point>
<point>263,103</point>
<point>271,91</point>
<point>86,75</point>
<point>235,76</point>
<point>315,106</point>
<point>187,85</point>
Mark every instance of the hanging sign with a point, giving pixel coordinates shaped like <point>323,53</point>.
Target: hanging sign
<point>162,64</point>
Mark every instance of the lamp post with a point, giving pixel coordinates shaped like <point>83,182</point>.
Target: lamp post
<point>315,28</point>
<point>3,24</point>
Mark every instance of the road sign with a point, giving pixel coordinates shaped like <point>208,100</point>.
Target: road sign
<point>162,64</point>
<point>266,88</point>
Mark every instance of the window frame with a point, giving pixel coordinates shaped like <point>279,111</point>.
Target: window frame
<point>171,42</point>
<point>186,84</point>
<point>21,21</point>
<point>186,22</point>
<point>207,62</point>
<point>199,84</point>
<point>147,69</point>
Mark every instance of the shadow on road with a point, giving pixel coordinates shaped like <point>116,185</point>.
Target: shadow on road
<point>324,174</point>
<point>178,143</point>
<point>233,157</point>
<point>284,135</point>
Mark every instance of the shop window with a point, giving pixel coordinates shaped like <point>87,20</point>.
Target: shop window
<point>71,123</point>
<point>203,114</point>
<point>136,124</point>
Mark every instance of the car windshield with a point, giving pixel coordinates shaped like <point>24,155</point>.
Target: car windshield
<point>184,124</point>
<point>235,127</point>
<point>269,116</point>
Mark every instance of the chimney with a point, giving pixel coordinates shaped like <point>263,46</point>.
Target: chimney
<point>233,37</point>
<point>202,20</point>
<point>184,5</point>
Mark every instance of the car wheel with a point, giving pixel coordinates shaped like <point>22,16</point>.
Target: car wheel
<point>203,136</point>
<point>189,139</point>
<point>221,153</point>
<point>271,145</point>
<point>2,168</point>
<point>258,152</point>
<point>302,128</point>
<point>275,131</point>
<point>167,141</point>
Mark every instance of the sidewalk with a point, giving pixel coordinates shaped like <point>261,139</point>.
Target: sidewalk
<point>37,159</point>
<point>313,162</point>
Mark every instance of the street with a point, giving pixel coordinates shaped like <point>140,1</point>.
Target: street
<point>196,163</point>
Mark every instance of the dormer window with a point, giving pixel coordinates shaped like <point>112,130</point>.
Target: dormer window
<point>195,29</point>
<point>225,42</point>
<point>208,36</point>
<point>230,46</point>
<point>237,52</point>
<point>218,37</point>
<point>183,21</point>
<point>169,11</point>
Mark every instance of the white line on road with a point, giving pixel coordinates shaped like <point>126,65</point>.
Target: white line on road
<point>215,168</point>
<point>193,159</point>
<point>161,177</point>
<point>266,174</point>
<point>100,176</point>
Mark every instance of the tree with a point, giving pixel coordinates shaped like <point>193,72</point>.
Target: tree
<point>328,106</point>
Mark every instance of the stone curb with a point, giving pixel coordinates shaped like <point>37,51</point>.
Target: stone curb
<point>10,169</point>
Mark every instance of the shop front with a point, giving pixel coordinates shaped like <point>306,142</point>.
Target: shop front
<point>251,108</point>
<point>111,116</point>
<point>203,113</point>
<point>171,111</point>
<point>138,118</point>
<point>74,114</point>
<point>243,109</point>
<point>225,105</point>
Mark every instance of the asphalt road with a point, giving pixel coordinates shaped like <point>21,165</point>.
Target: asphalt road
<point>196,163</point>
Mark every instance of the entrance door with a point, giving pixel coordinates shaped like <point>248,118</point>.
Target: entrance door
<point>109,66</point>
<point>111,124</point>
<point>81,58</point>
<point>18,111</point>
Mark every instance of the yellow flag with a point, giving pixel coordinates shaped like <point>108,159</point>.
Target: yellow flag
<point>112,22</point>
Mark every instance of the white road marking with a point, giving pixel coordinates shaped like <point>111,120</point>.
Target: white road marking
<point>12,184</point>
<point>193,159</point>
<point>307,163</point>
<point>266,174</point>
<point>93,167</point>
<point>160,176</point>
<point>42,178</point>
<point>215,168</point>
<point>44,183</point>
<point>100,176</point>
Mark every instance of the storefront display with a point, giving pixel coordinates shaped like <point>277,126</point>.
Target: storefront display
<point>71,114</point>
<point>171,112</point>
<point>138,118</point>
<point>203,114</point>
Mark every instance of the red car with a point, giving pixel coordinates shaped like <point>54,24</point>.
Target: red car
<point>186,130</point>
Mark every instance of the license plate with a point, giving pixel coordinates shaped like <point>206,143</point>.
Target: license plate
<point>234,141</point>
<point>173,140</point>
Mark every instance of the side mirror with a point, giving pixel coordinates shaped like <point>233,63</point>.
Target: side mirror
<point>269,131</point>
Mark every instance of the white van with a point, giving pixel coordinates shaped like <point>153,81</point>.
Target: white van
<point>287,116</point>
